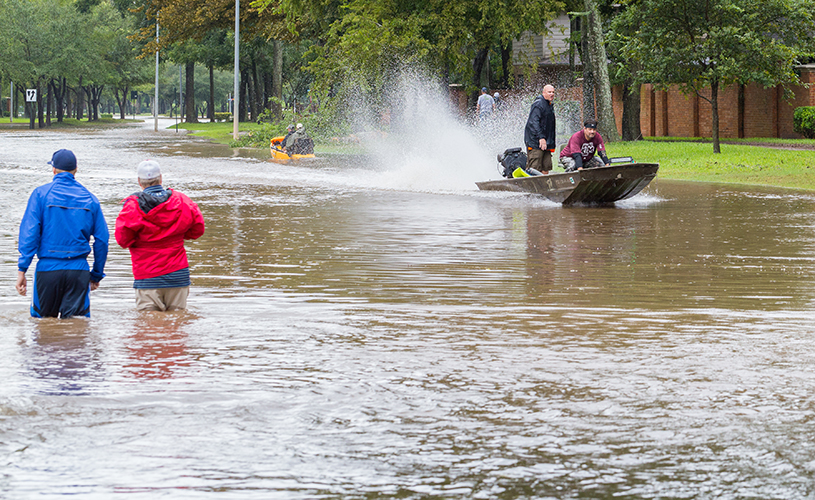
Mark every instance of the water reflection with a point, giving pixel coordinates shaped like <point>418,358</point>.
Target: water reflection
<point>158,345</point>
<point>64,357</point>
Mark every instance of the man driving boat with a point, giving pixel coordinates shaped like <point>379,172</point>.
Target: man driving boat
<point>581,148</point>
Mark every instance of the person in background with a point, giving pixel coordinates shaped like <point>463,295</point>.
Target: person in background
<point>153,224</point>
<point>59,221</point>
<point>485,105</point>
<point>299,143</point>
<point>580,152</point>
<point>539,133</point>
<point>496,97</point>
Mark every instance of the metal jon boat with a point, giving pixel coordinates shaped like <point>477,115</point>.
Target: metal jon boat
<point>591,186</point>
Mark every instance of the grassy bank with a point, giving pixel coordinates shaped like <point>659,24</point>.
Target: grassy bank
<point>220,132</point>
<point>763,165</point>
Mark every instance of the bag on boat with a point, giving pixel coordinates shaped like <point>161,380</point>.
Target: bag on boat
<point>510,160</point>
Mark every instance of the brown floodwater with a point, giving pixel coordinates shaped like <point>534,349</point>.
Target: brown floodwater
<point>359,329</point>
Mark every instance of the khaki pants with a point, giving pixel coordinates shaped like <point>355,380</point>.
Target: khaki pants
<point>161,299</point>
<point>539,159</point>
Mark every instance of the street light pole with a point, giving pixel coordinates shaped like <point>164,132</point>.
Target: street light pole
<point>236,90</point>
<point>155,98</point>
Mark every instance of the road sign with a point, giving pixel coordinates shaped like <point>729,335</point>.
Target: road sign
<point>30,95</point>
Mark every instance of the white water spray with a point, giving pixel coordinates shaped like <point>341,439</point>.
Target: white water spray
<point>418,141</point>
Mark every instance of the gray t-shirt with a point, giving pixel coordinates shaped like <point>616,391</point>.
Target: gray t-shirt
<point>485,104</point>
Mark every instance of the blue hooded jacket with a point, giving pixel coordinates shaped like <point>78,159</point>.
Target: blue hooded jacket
<point>57,226</point>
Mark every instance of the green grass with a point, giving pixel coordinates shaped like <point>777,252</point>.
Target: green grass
<point>220,132</point>
<point>736,164</point>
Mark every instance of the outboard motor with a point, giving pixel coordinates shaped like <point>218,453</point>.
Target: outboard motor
<point>510,160</point>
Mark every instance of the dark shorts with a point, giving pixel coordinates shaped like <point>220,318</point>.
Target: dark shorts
<point>62,293</point>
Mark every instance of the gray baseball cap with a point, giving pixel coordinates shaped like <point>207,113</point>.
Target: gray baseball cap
<point>149,170</point>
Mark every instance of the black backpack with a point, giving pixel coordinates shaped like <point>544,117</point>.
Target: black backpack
<point>510,160</point>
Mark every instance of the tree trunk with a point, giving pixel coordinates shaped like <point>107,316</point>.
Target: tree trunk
<point>478,66</point>
<point>589,112</point>
<point>242,98</point>
<point>714,114</point>
<point>49,102</point>
<point>631,111</point>
<point>189,99</point>
<point>121,101</point>
<point>94,96</point>
<point>211,104</point>
<point>254,92</point>
<point>277,79</point>
<point>40,107</point>
<point>80,99</point>
<point>90,102</point>
<point>506,56</point>
<point>68,101</point>
<point>59,96</point>
<point>606,123</point>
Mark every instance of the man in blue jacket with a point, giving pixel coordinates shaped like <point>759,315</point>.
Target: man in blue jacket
<point>539,133</point>
<point>57,226</point>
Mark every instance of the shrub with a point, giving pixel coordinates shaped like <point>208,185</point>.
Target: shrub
<point>804,121</point>
<point>222,117</point>
<point>105,115</point>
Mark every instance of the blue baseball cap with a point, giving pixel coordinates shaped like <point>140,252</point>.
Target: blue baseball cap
<point>483,89</point>
<point>63,159</point>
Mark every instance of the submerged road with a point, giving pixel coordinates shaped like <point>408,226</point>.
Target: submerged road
<point>368,330</point>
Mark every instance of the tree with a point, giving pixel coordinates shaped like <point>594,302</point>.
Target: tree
<point>37,45</point>
<point>120,54</point>
<point>623,71</point>
<point>711,44</point>
<point>597,60</point>
<point>370,38</point>
<point>184,21</point>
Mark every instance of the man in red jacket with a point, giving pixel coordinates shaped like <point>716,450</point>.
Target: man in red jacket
<point>153,224</point>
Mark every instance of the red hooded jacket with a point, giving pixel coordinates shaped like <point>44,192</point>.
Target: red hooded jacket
<point>156,238</point>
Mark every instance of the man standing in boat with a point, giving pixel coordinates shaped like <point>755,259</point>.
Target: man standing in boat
<point>539,133</point>
<point>583,145</point>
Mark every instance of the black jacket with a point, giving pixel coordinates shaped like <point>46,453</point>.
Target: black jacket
<point>540,124</point>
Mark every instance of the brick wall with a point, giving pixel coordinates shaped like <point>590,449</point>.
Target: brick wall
<point>764,112</point>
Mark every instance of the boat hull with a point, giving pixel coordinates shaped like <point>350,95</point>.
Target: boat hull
<point>591,185</point>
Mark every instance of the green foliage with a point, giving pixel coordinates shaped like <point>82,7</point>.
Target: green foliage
<point>694,44</point>
<point>322,126</point>
<point>362,42</point>
<point>715,43</point>
<point>105,115</point>
<point>222,117</point>
<point>804,121</point>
